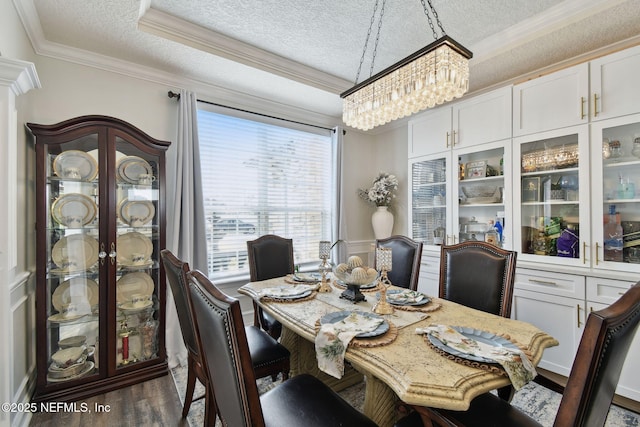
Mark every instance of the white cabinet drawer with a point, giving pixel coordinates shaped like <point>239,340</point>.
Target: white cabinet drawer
<point>606,291</point>
<point>553,283</point>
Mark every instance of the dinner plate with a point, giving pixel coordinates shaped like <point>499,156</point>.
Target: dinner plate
<point>390,300</point>
<point>88,367</point>
<point>129,169</point>
<point>136,212</point>
<point>478,335</point>
<point>307,277</point>
<point>290,292</point>
<point>367,286</point>
<point>339,315</point>
<point>133,283</point>
<point>133,243</point>
<point>75,252</point>
<point>76,290</point>
<point>74,205</point>
<point>85,164</point>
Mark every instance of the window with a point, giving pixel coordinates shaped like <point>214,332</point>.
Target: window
<point>259,178</point>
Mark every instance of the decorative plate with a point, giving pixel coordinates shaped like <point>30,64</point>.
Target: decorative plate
<point>301,295</point>
<point>133,244</point>
<point>287,292</point>
<point>85,164</point>
<point>74,205</point>
<point>78,290</point>
<point>481,336</point>
<point>131,284</point>
<point>129,168</point>
<point>339,315</point>
<point>75,252</point>
<point>400,301</point>
<point>367,286</point>
<point>136,212</point>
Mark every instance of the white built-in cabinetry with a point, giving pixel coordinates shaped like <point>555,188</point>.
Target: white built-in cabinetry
<point>557,176</point>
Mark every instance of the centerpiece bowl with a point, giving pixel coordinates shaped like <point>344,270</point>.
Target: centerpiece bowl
<point>354,274</point>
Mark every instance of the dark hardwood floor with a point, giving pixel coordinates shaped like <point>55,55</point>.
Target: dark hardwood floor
<point>152,403</point>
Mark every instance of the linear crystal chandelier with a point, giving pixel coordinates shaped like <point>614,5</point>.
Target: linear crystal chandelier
<point>435,74</point>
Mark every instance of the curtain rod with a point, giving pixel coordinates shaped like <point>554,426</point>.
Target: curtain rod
<point>177,96</point>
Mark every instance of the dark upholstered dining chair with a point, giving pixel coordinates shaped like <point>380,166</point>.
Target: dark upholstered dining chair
<point>269,256</point>
<point>300,401</point>
<point>478,275</point>
<point>592,382</point>
<point>406,255</point>
<point>268,356</point>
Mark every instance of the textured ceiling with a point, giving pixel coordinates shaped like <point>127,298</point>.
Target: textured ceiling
<point>304,53</point>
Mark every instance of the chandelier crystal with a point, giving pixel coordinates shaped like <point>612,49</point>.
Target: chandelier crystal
<point>433,75</point>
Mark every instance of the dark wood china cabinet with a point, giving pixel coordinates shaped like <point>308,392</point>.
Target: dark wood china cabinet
<point>100,288</point>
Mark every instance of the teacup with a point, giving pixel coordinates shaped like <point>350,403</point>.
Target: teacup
<point>136,221</point>
<point>146,179</point>
<point>138,258</point>
<point>71,173</point>
<point>70,310</point>
<point>139,300</point>
<point>73,221</point>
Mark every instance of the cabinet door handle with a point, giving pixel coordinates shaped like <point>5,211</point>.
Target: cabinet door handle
<point>448,135</point>
<point>102,254</point>
<point>579,322</point>
<point>543,282</point>
<point>113,253</point>
<point>582,102</point>
<point>453,140</point>
<point>597,249</point>
<point>595,105</point>
<point>584,252</point>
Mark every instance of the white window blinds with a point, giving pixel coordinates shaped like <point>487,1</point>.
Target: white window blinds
<point>258,179</point>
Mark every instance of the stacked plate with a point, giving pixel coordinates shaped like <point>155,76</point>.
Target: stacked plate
<point>69,363</point>
<point>75,164</point>
<point>288,292</point>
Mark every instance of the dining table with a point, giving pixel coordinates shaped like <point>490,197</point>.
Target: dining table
<point>401,365</point>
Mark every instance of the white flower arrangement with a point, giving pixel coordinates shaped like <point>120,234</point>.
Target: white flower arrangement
<point>381,192</point>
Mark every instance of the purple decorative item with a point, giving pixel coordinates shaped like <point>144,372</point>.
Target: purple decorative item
<point>567,244</point>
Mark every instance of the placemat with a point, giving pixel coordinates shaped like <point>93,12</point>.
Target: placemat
<point>384,339</point>
<point>289,300</point>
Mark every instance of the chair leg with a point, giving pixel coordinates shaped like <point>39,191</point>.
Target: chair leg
<point>256,315</point>
<point>191,385</point>
<point>210,409</point>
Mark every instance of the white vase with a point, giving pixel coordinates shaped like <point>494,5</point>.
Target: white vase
<point>382,221</point>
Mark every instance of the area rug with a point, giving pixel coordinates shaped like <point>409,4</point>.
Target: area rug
<point>539,402</point>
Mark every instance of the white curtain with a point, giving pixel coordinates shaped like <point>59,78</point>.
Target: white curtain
<point>186,233</point>
<point>339,227</point>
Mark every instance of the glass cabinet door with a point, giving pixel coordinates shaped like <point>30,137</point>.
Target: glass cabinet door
<point>480,208</point>
<point>429,190</point>
<point>71,255</point>
<point>553,195</point>
<point>615,152</point>
<point>137,248</point>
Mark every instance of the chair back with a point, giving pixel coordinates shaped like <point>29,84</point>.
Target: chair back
<point>406,255</point>
<point>596,368</point>
<point>226,358</point>
<point>478,275</point>
<point>176,272</point>
<point>270,256</point>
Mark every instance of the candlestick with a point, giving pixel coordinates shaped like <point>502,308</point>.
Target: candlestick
<point>383,262</point>
<point>324,268</point>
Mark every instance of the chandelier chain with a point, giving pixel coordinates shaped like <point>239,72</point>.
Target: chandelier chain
<point>435,15</point>
<point>375,46</point>
<point>366,41</point>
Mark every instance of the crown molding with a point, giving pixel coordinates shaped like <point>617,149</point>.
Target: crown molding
<point>554,18</point>
<point>184,32</point>
<point>20,76</point>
